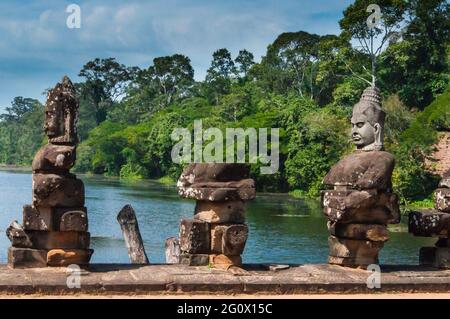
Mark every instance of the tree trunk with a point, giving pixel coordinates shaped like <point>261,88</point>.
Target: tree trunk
<point>133,240</point>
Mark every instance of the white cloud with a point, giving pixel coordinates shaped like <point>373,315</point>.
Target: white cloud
<point>137,31</point>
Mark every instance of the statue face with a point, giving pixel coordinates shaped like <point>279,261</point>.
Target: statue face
<point>363,133</point>
<point>52,122</point>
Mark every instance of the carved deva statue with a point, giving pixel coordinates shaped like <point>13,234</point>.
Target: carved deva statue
<point>360,202</point>
<point>55,227</point>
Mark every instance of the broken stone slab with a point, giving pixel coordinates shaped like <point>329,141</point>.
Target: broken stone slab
<point>228,239</point>
<point>429,223</point>
<point>194,259</point>
<point>218,192</point>
<point>358,262</point>
<point>66,257</point>
<point>27,258</point>
<point>443,199</point>
<point>220,212</point>
<point>351,248</point>
<point>370,232</point>
<point>48,240</point>
<point>16,234</point>
<point>438,257</point>
<point>55,219</point>
<point>221,259</point>
<point>195,236</point>
<point>213,172</point>
<point>54,158</point>
<point>52,190</point>
<point>363,170</point>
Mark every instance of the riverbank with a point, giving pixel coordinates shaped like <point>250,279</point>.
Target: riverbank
<point>168,181</point>
<point>15,168</point>
<point>254,280</point>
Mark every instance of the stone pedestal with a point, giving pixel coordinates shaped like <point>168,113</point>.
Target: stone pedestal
<point>218,233</point>
<point>55,226</point>
<point>435,223</point>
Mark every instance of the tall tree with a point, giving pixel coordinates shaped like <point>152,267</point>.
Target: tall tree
<point>174,76</point>
<point>106,81</point>
<point>19,107</point>
<point>416,64</point>
<point>290,63</point>
<point>243,62</point>
<point>372,26</point>
<point>219,75</point>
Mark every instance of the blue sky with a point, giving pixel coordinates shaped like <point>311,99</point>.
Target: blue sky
<point>37,48</point>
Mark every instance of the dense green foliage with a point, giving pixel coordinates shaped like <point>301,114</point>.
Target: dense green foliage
<point>306,85</point>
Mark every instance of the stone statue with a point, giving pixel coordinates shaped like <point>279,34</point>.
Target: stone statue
<point>55,226</point>
<point>218,233</point>
<point>361,202</point>
<point>435,223</point>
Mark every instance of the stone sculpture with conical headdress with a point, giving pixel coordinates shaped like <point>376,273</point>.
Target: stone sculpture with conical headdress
<point>361,202</point>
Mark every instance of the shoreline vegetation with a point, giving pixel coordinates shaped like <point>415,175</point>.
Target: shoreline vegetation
<point>305,84</point>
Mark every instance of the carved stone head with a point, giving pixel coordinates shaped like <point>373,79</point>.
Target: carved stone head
<point>61,114</point>
<point>368,121</point>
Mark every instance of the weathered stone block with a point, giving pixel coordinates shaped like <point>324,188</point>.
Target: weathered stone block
<point>55,219</point>
<point>195,236</point>
<point>370,232</point>
<point>220,212</point>
<point>74,220</point>
<point>443,199</point>
<point>351,248</point>
<point>363,170</point>
<point>228,239</point>
<point>219,192</point>
<point>51,190</point>
<point>26,258</point>
<point>54,158</point>
<point>213,172</point>
<point>66,257</point>
<point>194,259</point>
<point>367,206</point>
<point>225,260</point>
<point>438,257</point>
<point>37,219</point>
<point>429,223</point>
<point>54,239</point>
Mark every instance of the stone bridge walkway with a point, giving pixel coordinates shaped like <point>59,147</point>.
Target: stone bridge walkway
<point>101,279</point>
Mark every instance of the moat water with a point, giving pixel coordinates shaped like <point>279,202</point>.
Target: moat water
<point>283,229</point>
